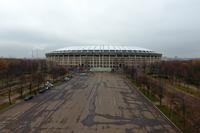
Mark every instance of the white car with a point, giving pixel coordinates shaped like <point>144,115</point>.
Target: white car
<point>66,78</point>
<point>46,87</point>
<point>48,84</point>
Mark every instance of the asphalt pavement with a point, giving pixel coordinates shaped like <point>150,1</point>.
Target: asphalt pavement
<point>97,103</point>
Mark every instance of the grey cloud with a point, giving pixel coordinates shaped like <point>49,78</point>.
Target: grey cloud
<point>167,26</point>
<point>31,37</point>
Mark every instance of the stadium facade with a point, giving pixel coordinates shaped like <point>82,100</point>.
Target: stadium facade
<point>102,56</point>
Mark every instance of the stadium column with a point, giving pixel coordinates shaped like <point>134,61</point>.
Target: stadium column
<point>150,59</point>
<point>102,61</point>
<point>63,61</point>
<point>99,60</point>
<point>154,59</point>
<point>139,59</point>
<point>157,59</point>
<point>74,61</point>
<point>116,61</point>
<point>123,60</point>
<point>68,60</point>
<point>146,59</point>
<point>135,60</point>
<point>93,60</point>
<point>54,58</point>
<point>80,61</point>
<point>86,61</point>
<point>109,61</point>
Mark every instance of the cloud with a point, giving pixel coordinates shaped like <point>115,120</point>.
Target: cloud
<point>165,26</point>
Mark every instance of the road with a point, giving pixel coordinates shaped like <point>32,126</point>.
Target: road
<point>97,103</point>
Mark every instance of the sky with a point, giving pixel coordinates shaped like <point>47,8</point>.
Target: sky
<point>33,27</point>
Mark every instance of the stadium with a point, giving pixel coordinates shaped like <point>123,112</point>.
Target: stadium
<point>111,57</point>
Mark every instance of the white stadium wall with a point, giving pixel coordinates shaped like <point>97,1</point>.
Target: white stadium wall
<point>102,56</point>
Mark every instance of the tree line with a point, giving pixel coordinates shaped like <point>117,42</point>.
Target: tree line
<point>20,75</point>
<point>186,107</point>
<point>178,71</point>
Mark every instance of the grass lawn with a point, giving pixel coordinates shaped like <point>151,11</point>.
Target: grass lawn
<point>188,90</point>
<point>149,95</point>
<point>4,105</point>
<point>177,120</point>
<point>7,104</point>
<point>181,87</point>
<point>145,92</point>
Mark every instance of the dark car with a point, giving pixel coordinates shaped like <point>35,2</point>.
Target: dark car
<point>42,90</point>
<point>29,97</point>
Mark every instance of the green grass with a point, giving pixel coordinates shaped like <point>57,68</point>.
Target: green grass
<point>4,105</point>
<point>188,90</point>
<point>183,88</point>
<point>7,104</point>
<point>176,119</point>
<point>1,81</point>
<point>149,95</point>
<point>145,92</point>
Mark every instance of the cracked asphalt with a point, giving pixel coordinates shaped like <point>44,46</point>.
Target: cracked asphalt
<point>97,103</point>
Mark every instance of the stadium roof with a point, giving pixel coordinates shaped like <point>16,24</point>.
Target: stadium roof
<point>102,48</point>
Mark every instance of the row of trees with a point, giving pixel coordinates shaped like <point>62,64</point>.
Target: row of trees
<point>18,75</point>
<point>184,106</point>
<point>184,71</point>
<point>152,86</point>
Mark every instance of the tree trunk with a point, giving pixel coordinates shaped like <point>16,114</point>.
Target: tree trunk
<point>38,86</point>
<point>160,101</point>
<point>21,91</point>
<point>30,88</point>
<point>148,90</point>
<point>2,83</point>
<point>184,115</point>
<point>9,96</point>
<point>170,107</point>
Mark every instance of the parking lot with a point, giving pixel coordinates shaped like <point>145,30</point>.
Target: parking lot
<point>97,103</point>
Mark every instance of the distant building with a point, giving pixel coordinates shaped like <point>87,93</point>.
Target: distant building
<point>102,56</point>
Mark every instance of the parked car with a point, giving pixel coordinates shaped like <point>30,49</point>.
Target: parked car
<point>83,74</point>
<point>70,76</point>
<point>51,85</point>
<point>47,88</point>
<point>42,90</point>
<point>48,84</point>
<point>29,97</point>
<point>66,79</point>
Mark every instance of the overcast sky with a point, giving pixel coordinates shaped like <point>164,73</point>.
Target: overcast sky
<point>171,27</point>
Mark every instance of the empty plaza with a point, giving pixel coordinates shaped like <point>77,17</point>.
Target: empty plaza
<point>94,103</point>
